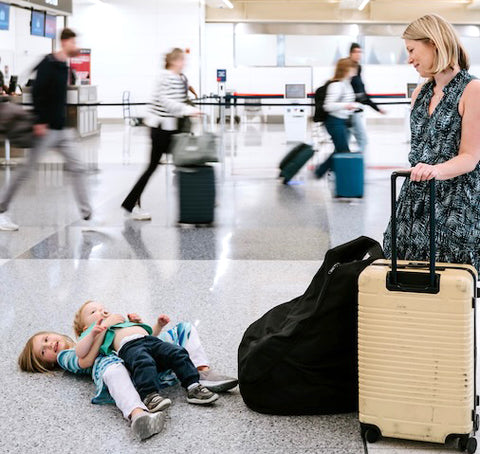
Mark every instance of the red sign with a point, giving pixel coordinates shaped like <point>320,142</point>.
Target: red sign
<point>81,65</point>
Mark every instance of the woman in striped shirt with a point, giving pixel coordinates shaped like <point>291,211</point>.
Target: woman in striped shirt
<point>167,108</point>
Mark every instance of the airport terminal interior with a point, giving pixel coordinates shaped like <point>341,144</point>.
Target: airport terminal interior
<point>255,66</point>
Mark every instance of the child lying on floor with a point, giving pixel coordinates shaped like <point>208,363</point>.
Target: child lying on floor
<point>145,355</point>
<point>45,351</point>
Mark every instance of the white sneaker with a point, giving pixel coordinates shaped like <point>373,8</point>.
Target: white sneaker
<point>6,223</point>
<point>140,215</point>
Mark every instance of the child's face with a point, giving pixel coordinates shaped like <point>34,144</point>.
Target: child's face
<point>46,347</point>
<point>92,313</point>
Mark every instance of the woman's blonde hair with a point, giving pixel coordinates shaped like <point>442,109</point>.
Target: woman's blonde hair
<point>78,325</point>
<point>27,360</point>
<point>344,65</point>
<point>173,55</point>
<point>449,51</point>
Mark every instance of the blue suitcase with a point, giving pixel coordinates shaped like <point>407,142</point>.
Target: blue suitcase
<point>349,174</point>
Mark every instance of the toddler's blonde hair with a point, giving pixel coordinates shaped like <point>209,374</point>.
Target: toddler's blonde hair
<point>78,325</point>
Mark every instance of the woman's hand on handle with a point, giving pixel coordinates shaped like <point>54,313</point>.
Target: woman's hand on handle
<point>424,172</point>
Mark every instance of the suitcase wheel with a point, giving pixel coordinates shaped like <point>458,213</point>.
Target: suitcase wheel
<point>370,433</point>
<point>468,444</point>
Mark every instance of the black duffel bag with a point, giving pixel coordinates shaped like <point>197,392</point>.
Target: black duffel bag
<point>301,356</point>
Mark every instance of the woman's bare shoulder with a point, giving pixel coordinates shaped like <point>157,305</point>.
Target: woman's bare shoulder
<point>472,88</point>
<point>470,97</point>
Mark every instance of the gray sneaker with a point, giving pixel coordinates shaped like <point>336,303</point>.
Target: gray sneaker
<point>215,382</point>
<point>155,402</point>
<point>201,396</point>
<point>147,425</point>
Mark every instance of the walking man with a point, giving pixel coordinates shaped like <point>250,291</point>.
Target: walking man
<point>49,100</point>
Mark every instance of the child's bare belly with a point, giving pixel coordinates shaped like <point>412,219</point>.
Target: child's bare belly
<point>121,333</point>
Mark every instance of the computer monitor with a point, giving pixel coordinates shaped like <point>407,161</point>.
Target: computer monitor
<point>295,91</point>
<point>37,24</point>
<point>411,89</point>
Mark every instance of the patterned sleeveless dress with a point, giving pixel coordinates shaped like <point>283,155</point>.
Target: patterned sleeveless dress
<point>436,139</point>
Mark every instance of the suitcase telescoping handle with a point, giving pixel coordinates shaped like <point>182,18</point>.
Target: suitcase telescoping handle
<point>409,281</point>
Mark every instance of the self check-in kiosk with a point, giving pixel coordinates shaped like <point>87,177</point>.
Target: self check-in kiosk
<point>295,117</point>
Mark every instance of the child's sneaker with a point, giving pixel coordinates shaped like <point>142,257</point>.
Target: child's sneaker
<point>200,395</point>
<point>215,382</point>
<point>155,402</point>
<point>146,425</point>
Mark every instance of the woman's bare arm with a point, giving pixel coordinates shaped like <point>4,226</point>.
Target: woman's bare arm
<point>469,152</point>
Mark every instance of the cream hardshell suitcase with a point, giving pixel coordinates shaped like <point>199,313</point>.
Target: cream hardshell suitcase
<point>417,347</point>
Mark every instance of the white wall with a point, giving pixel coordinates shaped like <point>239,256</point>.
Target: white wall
<point>129,40</point>
<point>19,50</point>
<point>220,54</point>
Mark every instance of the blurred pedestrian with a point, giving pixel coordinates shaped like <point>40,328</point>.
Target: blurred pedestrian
<point>166,111</point>
<point>358,123</point>
<point>3,87</point>
<point>49,104</point>
<point>445,145</point>
<point>339,104</point>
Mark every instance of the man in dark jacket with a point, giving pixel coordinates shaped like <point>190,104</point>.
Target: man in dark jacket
<point>358,126</point>
<point>49,99</point>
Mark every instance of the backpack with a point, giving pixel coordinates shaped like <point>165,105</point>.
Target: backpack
<point>301,357</point>
<point>320,94</point>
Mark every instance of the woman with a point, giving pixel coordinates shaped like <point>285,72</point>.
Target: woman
<point>445,146</point>
<point>168,106</point>
<point>339,104</point>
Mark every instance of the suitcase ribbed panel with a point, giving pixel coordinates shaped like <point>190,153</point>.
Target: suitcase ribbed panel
<point>415,357</point>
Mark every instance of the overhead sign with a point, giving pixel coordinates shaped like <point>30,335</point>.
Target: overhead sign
<point>64,6</point>
<point>221,75</point>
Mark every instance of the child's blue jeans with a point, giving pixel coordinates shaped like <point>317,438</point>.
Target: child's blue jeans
<point>146,356</point>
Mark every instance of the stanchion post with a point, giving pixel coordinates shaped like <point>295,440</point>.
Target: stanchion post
<point>232,116</point>
<point>7,162</point>
<point>222,135</point>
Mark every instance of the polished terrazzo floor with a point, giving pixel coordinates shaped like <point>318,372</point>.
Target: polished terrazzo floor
<point>266,245</point>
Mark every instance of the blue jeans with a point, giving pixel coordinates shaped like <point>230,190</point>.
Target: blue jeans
<point>359,131</point>
<point>338,130</point>
<point>146,356</point>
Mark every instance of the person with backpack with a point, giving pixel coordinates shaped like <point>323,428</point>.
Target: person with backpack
<point>334,106</point>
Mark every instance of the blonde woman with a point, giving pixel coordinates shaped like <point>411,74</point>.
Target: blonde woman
<point>339,104</point>
<point>445,145</point>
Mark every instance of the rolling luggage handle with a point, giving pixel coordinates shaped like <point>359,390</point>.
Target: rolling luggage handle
<point>404,281</point>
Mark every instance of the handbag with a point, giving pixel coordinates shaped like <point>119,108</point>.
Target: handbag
<point>191,150</point>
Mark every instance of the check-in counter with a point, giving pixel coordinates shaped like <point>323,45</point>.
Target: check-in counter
<point>80,115</point>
